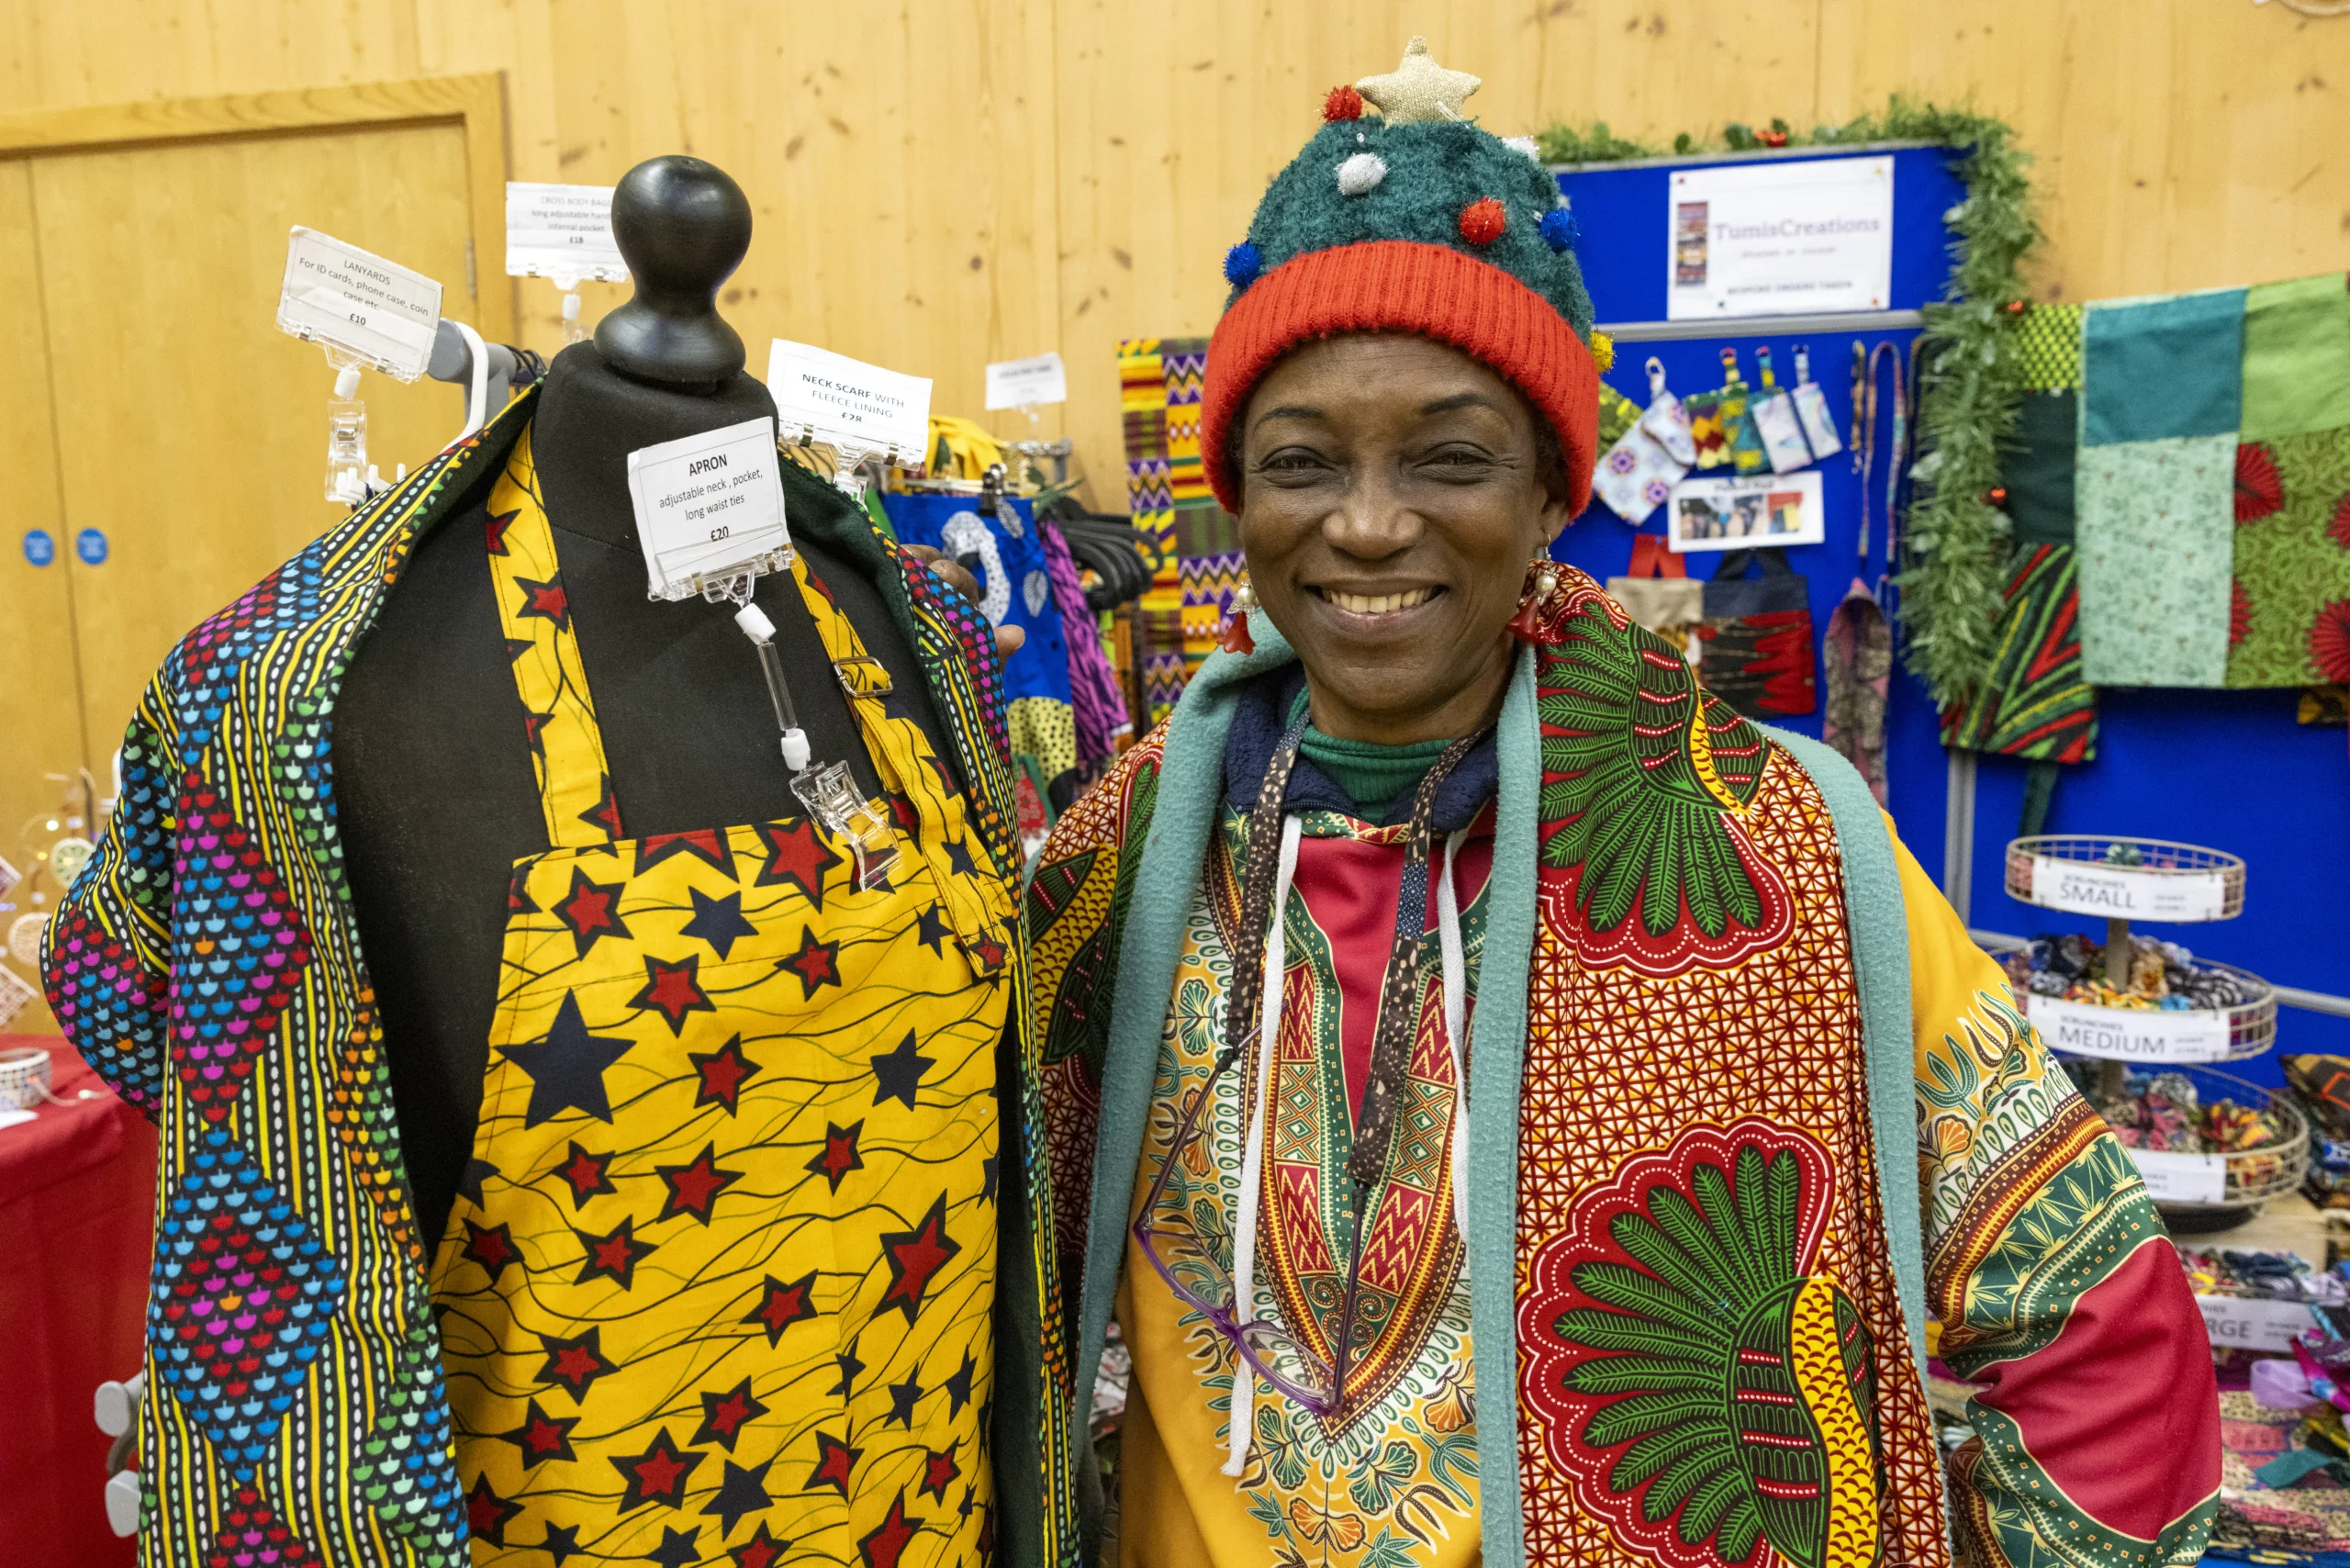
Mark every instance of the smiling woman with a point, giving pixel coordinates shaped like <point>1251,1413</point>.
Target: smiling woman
<point>1452,815</point>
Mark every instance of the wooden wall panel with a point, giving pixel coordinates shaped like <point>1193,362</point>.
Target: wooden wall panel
<point>1095,157</point>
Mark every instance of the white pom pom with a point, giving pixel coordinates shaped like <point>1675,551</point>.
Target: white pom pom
<point>1525,144</point>
<point>1361,174</point>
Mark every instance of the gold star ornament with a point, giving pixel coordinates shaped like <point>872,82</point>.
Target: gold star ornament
<point>1420,89</point>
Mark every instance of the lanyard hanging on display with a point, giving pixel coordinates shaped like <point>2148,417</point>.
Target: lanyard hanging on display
<point>1866,452</point>
<point>861,411</point>
<point>563,233</point>
<point>367,314</point>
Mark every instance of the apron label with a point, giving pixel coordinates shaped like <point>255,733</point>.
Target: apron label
<point>708,507</point>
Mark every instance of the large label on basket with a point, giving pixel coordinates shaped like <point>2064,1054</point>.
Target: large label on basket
<point>2182,1178</point>
<point>2080,889</point>
<point>2246,1324</point>
<point>2126,1034</point>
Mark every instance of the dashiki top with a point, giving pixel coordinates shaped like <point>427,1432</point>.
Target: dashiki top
<point>1713,1366</point>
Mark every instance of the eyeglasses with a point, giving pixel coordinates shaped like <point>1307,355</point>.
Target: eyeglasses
<point>1185,1261</point>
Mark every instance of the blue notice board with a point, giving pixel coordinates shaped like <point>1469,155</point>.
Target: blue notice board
<point>2230,769</point>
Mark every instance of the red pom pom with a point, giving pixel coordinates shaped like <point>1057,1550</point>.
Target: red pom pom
<point>1343,103</point>
<point>1481,221</point>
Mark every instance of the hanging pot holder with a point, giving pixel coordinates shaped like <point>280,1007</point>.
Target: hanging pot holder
<point>1747,452</point>
<point>1637,473</point>
<point>1811,408</point>
<point>1666,421</point>
<point>1756,638</point>
<point>1776,422</point>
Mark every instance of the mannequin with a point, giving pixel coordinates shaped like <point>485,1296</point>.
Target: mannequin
<point>438,794</point>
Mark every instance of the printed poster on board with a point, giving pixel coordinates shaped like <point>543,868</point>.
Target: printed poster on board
<point>1792,238</point>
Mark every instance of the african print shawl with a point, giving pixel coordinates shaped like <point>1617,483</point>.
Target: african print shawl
<point>1730,1137</point>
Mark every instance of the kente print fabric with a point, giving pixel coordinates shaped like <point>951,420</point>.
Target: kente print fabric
<point>720,1274</point>
<point>1194,545</point>
<point>207,964</point>
<point>1713,1367</point>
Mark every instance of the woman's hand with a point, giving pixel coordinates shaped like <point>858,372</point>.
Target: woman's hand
<point>1007,638</point>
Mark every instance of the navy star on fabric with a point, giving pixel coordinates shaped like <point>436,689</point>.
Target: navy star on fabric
<point>744,1491</point>
<point>902,1402</point>
<point>567,1067</point>
<point>960,858</point>
<point>469,1185</point>
<point>718,921</point>
<point>605,812</point>
<point>897,1074</point>
<point>958,1387</point>
<point>848,1365</point>
<point>931,929</point>
<point>562,1543</point>
<point>677,1549</point>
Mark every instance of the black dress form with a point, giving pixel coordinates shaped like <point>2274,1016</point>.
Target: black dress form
<point>438,797</point>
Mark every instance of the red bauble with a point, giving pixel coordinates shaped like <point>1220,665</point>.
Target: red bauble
<point>1342,103</point>
<point>1483,220</point>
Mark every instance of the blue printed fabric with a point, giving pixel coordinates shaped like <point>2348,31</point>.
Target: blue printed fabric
<point>2158,369</point>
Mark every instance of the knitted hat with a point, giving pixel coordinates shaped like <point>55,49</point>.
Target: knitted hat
<point>1415,221</point>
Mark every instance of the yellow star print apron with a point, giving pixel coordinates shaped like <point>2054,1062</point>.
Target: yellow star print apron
<point>718,1286</point>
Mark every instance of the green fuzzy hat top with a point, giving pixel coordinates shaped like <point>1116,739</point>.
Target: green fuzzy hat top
<point>1419,172</point>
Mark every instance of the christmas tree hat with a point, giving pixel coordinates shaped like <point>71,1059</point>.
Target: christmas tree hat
<point>1402,216</point>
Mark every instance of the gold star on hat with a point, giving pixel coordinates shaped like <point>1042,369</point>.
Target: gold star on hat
<point>1420,89</point>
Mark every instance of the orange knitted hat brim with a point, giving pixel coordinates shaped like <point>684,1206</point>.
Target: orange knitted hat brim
<point>1401,285</point>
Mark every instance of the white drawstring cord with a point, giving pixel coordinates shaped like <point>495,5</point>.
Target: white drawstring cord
<point>1454,981</point>
<point>1252,1164</point>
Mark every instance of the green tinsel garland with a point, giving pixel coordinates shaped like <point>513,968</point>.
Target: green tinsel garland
<point>1954,554</point>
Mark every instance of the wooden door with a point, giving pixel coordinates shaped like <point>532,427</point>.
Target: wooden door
<point>190,432</point>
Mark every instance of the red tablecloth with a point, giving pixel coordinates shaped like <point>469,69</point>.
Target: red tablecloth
<point>77,1214</point>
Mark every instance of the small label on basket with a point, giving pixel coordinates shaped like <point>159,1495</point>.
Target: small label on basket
<point>2110,890</point>
<point>2182,1178</point>
<point>2250,1324</point>
<point>2128,1034</point>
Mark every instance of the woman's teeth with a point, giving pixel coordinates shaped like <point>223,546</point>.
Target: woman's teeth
<point>1378,604</point>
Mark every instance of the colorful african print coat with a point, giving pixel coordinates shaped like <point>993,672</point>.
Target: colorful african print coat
<point>1743,1106</point>
<point>207,964</point>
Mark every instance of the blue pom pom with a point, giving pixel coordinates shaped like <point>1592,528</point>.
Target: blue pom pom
<point>1558,231</point>
<point>1242,263</point>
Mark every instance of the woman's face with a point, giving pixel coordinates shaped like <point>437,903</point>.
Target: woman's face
<point>1392,490</point>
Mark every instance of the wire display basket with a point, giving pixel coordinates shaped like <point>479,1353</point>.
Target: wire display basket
<point>2153,1034</point>
<point>2271,1169</point>
<point>2123,878</point>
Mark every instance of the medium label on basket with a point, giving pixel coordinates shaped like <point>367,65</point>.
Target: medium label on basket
<point>2182,1178</point>
<point>2245,1324</point>
<point>2133,895</point>
<point>2125,1033</point>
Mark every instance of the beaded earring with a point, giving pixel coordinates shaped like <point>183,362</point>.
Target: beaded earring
<point>1237,639</point>
<point>1531,623</point>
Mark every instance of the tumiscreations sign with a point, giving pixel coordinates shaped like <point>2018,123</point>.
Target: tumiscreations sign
<point>1787,238</point>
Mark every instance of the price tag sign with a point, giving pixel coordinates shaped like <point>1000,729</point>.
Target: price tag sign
<point>847,404</point>
<point>2182,1178</point>
<point>2250,1324</point>
<point>378,311</point>
<point>1026,383</point>
<point>2110,890</point>
<point>563,232</point>
<point>2127,1034</point>
<point>708,507</point>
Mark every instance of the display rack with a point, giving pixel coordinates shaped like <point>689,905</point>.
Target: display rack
<point>2126,878</point>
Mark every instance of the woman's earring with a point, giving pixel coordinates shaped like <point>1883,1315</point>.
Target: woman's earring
<point>1237,639</point>
<point>1532,622</point>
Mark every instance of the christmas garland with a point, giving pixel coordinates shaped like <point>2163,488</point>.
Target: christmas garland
<point>1955,550</point>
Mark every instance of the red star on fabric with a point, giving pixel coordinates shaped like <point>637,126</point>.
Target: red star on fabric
<point>797,854</point>
<point>694,1188</point>
<point>834,1461</point>
<point>488,1514</point>
<point>902,811</point>
<point>605,812</point>
<point>575,1363</point>
<point>723,1416</point>
<point>587,1174</point>
<point>656,1475</point>
<point>541,1436</point>
<point>762,1551</point>
<point>492,1247</point>
<point>890,1538</point>
<point>534,730</point>
<point>612,1257</point>
<point>590,909</point>
<point>674,991</point>
<point>937,1469</point>
<point>707,845</point>
<point>817,964</point>
<point>781,1306</point>
<point>517,895</point>
<point>839,1155</point>
<point>724,1072</point>
<point>543,602</point>
<point>991,954</point>
<point>494,531</point>
<point>915,1257</point>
